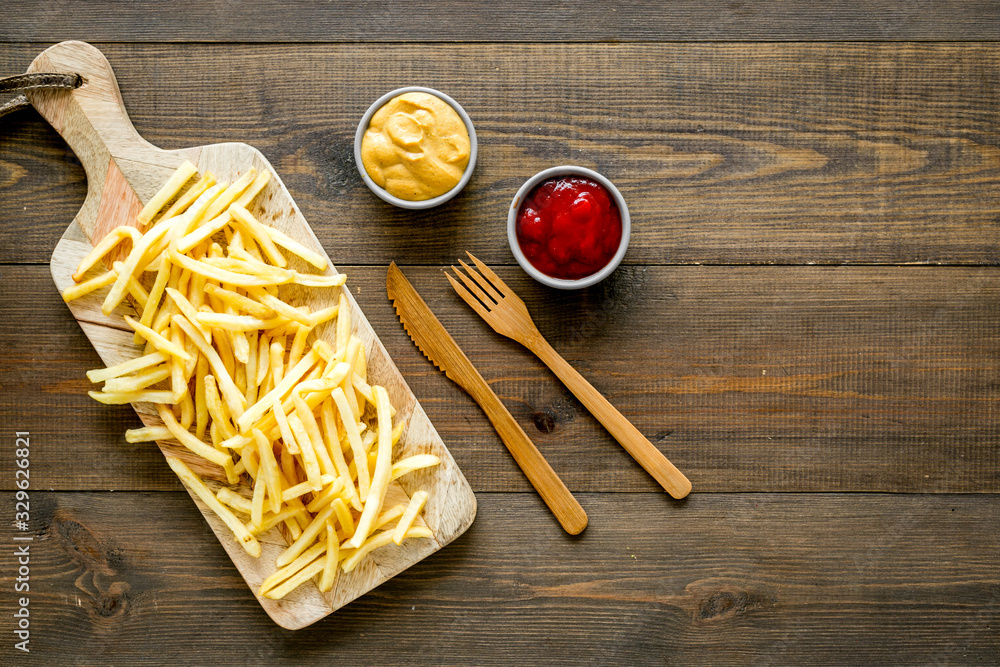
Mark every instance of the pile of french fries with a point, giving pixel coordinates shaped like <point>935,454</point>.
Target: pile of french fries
<point>239,379</point>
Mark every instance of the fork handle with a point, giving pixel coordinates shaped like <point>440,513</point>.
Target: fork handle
<point>554,493</point>
<point>635,443</point>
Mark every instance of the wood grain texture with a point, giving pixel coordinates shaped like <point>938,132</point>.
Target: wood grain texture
<point>509,21</point>
<point>726,153</point>
<point>747,378</point>
<point>735,579</point>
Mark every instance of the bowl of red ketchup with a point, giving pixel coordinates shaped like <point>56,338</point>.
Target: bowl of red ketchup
<point>568,227</point>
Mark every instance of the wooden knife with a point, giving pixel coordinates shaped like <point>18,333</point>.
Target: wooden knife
<point>437,345</point>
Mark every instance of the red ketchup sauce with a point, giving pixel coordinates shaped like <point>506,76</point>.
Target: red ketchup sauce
<point>569,227</point>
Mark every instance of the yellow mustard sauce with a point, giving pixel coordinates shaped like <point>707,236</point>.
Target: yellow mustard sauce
<point>416,147</point>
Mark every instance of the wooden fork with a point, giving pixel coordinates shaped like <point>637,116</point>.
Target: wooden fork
<point>506,313</point>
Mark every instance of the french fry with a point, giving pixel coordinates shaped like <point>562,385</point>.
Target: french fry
<point>188,440</point>
<point>234,500</point>
<point>112,239</point>
<point>155,294</point>
<point>297,580</point>
<point>126,367</point>
<point>383,470</point>
<point>309,458</point>
<point>411,463</point>
<point>306,538</point>
<point>269,468</point>
<point>283,427</point>
<point>148,434</point>
<point>86,287</point>
<point>270,401</point>
<point>192,194</point>
<point>203,232</point>
<point>240,302</point>
<point>377,541</point>
<point>131,264</point>
<point>297,248</point>
<point>231,193</point>
<point>143,396</point>
<point>331,565</point>
<point>258,184</point>
<point>140,380</point>
<point>259,234</point>
<point>354,437</point>
<point>158,341</point>
<point>181,176</point>
<point>406,521</point>
<point>193,482</point>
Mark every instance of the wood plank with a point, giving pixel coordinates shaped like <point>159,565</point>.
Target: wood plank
<point>727,153</point>
<point>510,21</point>
<point>730,579</point>
<point>747,378</point>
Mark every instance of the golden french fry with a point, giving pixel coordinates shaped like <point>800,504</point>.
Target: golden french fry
<point>306,538</point>
<point>186,199</point>
<point>240,302</point>
<point>148,434</point>
<point>158,341</point>
<point>131,264</point>
<point>382,473</point>
<point>269,470</point>
<point>285,419</point>
<point>140,380</point>
<point>231,193</point>
<point>332,552</point>
<point>203,232</point>
<point>188,440</point>
<point>309,458</point>
<point>155,294</point>
<point>110,240</point>
<point>412,463</point>
<point>354,437</point>
<point>297,248</point>
<point>143,396</point>
<point>181,176</point>
<point>377,541</point>
<point>86,287</point>
<point>193,482</point>
<point>258,184</point>
<point>297,580</point>
<point>130,366</point>
<point>259,234</point>
<point>234,500</point>
<point>312,280</point>
<point>406,521</point>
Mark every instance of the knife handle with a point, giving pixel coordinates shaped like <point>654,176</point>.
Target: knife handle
<point>554,493</point>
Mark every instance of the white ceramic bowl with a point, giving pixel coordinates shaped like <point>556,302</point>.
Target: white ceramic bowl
<point>559,283</point>
<point>423,203</point>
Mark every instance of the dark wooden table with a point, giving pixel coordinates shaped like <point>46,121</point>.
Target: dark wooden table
<point>805,323</point>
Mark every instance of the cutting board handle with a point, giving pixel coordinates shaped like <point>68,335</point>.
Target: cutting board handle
<point>93,121</point>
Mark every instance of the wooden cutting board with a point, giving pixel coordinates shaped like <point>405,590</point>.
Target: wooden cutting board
<point>123,171</point>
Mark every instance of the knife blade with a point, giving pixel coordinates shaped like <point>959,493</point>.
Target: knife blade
<point>434,341</point>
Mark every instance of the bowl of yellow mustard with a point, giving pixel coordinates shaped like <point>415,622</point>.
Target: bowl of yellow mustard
<point>415,147</point>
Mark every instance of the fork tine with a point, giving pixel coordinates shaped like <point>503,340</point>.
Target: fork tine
<point>493,278</point>
<point>471,286</point>
<point>468,298</point>
<point>489,289</point>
